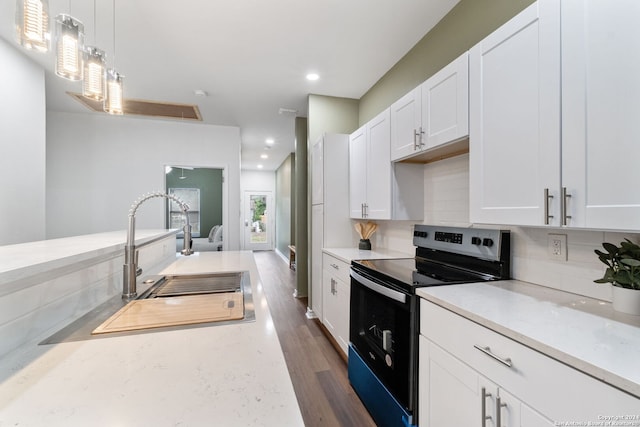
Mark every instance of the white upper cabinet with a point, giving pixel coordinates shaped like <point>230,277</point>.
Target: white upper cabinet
<point>539,158</point>
<point>600,113</point>
<point>379,189</point>
<point>514,134</point>
<point>357,172</point>
<point>434,113</point>
<point>378,201</point>
<point>406,124</point>
<point>445,104</point>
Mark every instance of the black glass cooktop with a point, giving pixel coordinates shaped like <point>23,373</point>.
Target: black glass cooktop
<point>410,273</point>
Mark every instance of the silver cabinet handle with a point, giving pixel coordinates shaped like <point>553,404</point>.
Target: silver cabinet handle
<point>336,266</point>
<point>486,350</point>
<point>333,286</point>
<point>366,210</point>
<point>563,206</point>
<point>485,417</point>
<point>499,406</point>
<point>547,198</point>
<point>417,139</point>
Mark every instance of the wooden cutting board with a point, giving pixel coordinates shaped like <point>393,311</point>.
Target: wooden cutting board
<point>172,311</point>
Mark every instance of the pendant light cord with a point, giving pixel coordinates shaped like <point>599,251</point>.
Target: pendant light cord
<point>114,34</point>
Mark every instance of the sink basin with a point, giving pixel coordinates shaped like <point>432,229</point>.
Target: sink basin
<point>170,302</point>
<point>182,300</point>
<point>196,284</point>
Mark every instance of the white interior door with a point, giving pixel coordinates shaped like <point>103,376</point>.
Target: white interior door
<point>258,220</point>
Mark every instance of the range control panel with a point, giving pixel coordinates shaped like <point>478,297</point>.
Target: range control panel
<point>478,242</point>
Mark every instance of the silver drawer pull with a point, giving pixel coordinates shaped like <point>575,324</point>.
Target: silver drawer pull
<point>484,415</point>
<point>335,266</point>
<point>487,351</point>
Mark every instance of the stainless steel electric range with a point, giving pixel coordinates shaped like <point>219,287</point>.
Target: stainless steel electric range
<point>384,311</point>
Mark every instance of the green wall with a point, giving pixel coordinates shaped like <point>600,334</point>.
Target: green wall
<point>209,181</point>
<point>301,236</point>
<point>328,114</point>
<point>467,23</point>
<point>285,220</point>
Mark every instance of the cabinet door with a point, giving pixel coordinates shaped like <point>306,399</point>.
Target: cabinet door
<point>530,418</point>
<point>600,111</point>
<point>343,298</point>
<point>357,172</point>
<point>514,138</point>
<point>329,305</point>
<point>379,167</point>
<point>445,104</point>
<point>317,178</point>
<point>406,121</point>
<point>448,390</point>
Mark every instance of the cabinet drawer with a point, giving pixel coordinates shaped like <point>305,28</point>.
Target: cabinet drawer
<point>558,391</point>
<point>338,267</point>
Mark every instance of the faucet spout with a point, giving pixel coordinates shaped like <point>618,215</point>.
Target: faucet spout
<point>130,267</point>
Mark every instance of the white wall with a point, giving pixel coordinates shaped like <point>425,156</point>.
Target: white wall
<point>97,165</point>
<point>22,148</point>
<point>258,181</point>
<point>447,203</point>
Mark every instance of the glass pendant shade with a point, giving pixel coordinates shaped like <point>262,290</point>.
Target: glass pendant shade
<point>113,102</point>
<point>93,84</point>
<point>69,46</point>
<point>32,24</point>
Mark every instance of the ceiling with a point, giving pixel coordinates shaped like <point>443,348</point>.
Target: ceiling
<point>250,56</point>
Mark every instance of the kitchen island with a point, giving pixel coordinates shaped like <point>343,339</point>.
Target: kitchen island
<point>226,375</point>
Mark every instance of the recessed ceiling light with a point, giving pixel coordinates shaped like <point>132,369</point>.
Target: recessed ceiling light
<point>260,166</point>
<point>264,156</point>
<point>312,77</point>
<point>200,92</point>
<point>269,141</point>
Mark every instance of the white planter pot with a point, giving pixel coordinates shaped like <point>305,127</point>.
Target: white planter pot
<point>626,300</point>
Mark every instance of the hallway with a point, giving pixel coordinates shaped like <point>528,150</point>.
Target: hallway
<point>318,373</point>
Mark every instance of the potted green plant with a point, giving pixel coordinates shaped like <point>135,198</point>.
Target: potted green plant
<point>623,272</point>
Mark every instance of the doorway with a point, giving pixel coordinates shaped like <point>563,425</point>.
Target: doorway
<point>202,188</point>
<point>258,221</point>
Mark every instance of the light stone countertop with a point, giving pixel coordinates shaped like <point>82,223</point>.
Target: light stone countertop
<point>226,375</point>
<point>349,254</point>
<point>23,260</point>
<point>581,332</point>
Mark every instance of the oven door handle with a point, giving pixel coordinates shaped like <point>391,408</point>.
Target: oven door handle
<point>394,295</point>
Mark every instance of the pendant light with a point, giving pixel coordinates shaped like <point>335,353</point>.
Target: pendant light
<point>93,83</point>
<point>113,101</point>
<point>32,24</point>
<point>69,47</point>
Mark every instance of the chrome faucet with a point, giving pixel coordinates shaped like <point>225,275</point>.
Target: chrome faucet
<point>130,267</point>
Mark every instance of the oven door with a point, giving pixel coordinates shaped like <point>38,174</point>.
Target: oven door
<point>381,330</point>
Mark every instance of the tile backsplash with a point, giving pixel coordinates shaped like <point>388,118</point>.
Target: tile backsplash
<point>447,203</point>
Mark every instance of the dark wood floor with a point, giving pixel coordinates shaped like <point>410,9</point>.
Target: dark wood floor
<point>318,373</point>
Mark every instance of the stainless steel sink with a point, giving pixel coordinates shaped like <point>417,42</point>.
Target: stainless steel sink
<point>196,284</point>
<point>162,287</point>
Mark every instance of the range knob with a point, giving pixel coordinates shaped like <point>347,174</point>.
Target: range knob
<point>476,241</point>
<point>487,242</point>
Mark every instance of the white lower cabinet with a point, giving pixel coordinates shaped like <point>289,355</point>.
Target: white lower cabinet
<point>335,299</point>
<point>470,375</point>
